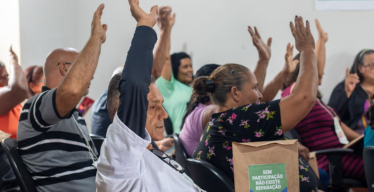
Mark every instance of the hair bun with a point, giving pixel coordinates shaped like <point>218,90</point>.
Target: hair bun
<point>202,86</point>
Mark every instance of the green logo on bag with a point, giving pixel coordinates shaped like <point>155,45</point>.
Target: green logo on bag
<point>268,177</point>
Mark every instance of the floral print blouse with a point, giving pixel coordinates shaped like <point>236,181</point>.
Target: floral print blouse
<point>249,123</point>
<point>253,122</point>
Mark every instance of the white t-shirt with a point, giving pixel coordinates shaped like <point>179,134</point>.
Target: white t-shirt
<point>125,164</point>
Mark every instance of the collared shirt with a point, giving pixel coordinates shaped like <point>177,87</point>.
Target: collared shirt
<point>54,148</point>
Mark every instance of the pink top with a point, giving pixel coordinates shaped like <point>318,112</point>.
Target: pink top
<point>192,129</point>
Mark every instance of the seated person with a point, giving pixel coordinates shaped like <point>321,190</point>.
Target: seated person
<point>350,98</point>
<point>199,110</point>
<point>13,90</point>
<point>241,117</point>
<point>53,140</point>
<point>125,163</point>
<point>174,75</point>
<point>35,80</point>
<point>317,130</point>
<point>100,120</point>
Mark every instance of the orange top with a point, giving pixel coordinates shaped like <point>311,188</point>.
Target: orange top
<point>9,122</point>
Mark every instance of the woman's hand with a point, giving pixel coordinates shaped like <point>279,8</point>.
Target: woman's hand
<point>264,51</point>
<point>321,33</point>
<point>303,37</point>
<point>290,64</point>
<point>303,151</point>
<point>165,21</point>
<point>351,81</point>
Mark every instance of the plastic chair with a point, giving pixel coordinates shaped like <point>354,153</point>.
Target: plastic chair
<point>180,153</point>
<point>98,141</point>
<point>334,156</point>
<point>209,177</point>
<point>23,176</point>
<point>369,167</point>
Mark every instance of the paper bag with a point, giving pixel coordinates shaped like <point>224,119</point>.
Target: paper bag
<point>268,160</point>
<point>313,162</point>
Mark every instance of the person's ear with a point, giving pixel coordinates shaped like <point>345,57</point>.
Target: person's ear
<point>361,68</point>
<point>235,94</point>
<point>63,68</point>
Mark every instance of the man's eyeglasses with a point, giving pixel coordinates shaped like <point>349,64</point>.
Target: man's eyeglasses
<point>163,156</point>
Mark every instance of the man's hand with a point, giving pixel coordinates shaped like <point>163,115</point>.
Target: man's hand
<point>165,21</point>
<point>351,81</point>
<point>98,30</point>
<point>142,17</point>
<point>303,37</point>
<point>165,144</point>
<point>264,51</point>
<point>321,33</point>
<point>303,151</point>
<point>291,64</point>
<point>13,56</point>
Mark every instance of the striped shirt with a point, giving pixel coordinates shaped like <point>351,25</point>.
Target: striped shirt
<point>54,148</point>
<point>317,132</point>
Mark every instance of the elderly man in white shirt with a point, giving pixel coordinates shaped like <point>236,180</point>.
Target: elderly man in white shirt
<point>134,102</point>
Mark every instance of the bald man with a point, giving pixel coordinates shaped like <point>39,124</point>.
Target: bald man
<point>53,139</point>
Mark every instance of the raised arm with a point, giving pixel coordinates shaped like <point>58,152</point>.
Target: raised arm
<point>321,49</point>
<point>136,75</point>
<point>78,78</point>
<point>264,54</point>
<point>271,89</point>
<point>16,91</point>
<point>161,52</point>
<point>297,105</point>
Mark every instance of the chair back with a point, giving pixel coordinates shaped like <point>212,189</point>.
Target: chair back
<point>23,176</point>
<point>369,167</point>
<point>180,153</point>
<point>209,177</point>
<point>292,134</point>
<point>98,141</point>
<point>168,126</point>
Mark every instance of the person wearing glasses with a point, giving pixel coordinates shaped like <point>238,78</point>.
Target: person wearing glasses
<point>352,97</point>
<point>53,140</point>
<point>13,90</point>
<point>127,161</point>
<point>35,80</point>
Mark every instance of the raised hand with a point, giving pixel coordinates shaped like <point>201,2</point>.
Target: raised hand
<point>291,64</point>
<point>321,33</point>
<point>98,30</point>
<point>142,17</point>
<point>165,21</point>
<point>303,37</point>
<point>13,56</point>
<point>351,81</point>
<point>264,51</point>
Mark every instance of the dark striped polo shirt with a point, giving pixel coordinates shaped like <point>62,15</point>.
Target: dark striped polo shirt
<point>54,148</point>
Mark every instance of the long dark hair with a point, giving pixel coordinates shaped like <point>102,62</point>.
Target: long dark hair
<point>359,61</point>
<point>293,77</point>
<point>195,100</point>
<point>176,62</point>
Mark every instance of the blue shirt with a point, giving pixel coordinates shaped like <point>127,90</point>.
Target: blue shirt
<point>369,137</point>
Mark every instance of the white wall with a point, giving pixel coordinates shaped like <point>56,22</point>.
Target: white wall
<point>212,31</point>
<point>9,29</point>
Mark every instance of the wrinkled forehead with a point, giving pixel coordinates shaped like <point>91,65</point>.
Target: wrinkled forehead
<point>154,95</point>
